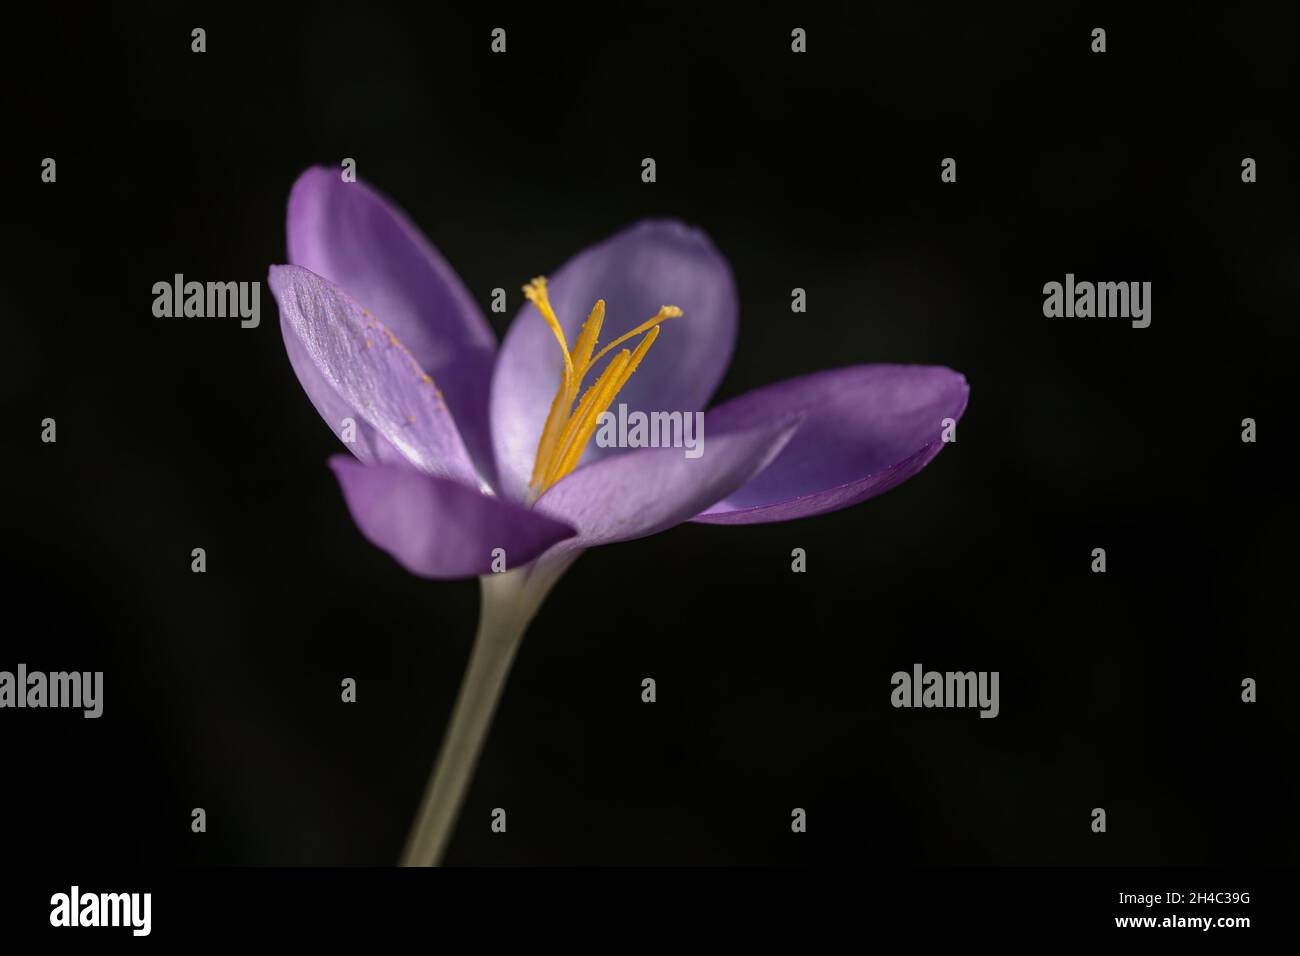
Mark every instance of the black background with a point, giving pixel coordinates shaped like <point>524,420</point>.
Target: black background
<point>821,171</point>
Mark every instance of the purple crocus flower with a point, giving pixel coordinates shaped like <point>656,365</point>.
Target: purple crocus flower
<point>465,454</point>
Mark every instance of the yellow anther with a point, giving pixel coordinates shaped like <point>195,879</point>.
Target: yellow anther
<point>567,429</point>
<point>587,338</point>
<point>555,421</point>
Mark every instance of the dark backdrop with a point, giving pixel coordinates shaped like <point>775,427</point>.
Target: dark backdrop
<point>821,171</point>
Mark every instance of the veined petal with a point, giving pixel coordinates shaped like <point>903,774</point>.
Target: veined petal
<point>439,528</point>
<point>650,264</point>
<point>865,430</point>
<point>642,492</point>
<point>351,235</point>
<point>366,443</point>
<point>371,372</point>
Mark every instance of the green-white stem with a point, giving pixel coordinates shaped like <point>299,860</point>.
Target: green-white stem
<point>509,601</point>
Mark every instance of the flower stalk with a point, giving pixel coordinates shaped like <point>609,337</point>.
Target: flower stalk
<point>507,605</point>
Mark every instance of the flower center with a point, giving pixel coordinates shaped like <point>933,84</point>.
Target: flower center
<point>568,429</point>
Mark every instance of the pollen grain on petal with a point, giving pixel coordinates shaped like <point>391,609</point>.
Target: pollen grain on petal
<point>421,376</point>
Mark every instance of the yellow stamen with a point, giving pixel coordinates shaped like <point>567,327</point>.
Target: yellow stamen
<point>626,366</point>
<point>568,430</point>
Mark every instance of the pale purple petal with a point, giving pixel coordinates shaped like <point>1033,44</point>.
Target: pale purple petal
<point>370,372</point>
<point>641,492</point>
<point>865,430</point>
<point>353,236</point>
<point>650,264</point>
<point>438,528</point>
<point>367,444</point>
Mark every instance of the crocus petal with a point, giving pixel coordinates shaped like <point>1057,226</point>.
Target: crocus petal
<point>438,528</point>
<point>642,492</point>
<point>650,264</point>
<point>370,372</point>
<point>366,443</point>
<point>350,234</point>
<point>866,429</point>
